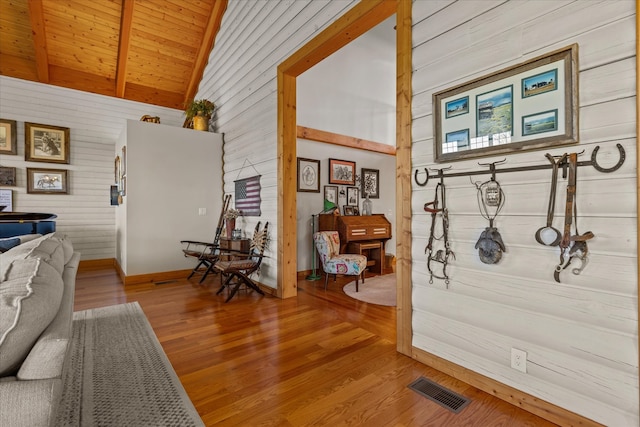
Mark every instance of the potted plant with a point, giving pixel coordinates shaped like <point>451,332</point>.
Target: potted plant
<point>199,113</point>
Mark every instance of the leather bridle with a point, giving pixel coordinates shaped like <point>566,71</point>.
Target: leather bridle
<point>441,256</point>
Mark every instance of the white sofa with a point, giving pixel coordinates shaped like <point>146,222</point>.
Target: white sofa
<point>37,286</point>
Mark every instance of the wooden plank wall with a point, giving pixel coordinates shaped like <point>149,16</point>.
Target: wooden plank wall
<point>95,122</point>
<point>580,336</point>
<point>255,37</point>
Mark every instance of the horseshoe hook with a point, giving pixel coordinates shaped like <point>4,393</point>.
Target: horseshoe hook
<point>594,160</point>
<point>415,177</point>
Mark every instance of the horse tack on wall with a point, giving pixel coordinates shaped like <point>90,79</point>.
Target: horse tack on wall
<point>524,107</point>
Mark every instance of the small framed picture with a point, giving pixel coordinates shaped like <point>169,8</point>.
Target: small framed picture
<point>8,137</point>
<point>331,194</point>
<point>44,143</point>
<point>114,195</point>
<point>347,210</point>
<point>342,172</point>
<point>308,175</point>
<point>7,176</point>
<point>539,123</point>
<point>352,196</point>
<point>370,183</point>
<point>47,181</point>
<point>356,210</point>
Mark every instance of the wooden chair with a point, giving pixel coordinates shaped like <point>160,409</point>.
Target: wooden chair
<point>237,271</point>
<point>206,253</point>
<point>333,262</point>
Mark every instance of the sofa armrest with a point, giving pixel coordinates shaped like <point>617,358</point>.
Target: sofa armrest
<point>29,403</point>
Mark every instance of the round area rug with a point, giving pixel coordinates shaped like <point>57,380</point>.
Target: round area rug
<point>379,290</point>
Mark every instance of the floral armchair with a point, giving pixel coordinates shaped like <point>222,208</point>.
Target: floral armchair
<point>328,246</point>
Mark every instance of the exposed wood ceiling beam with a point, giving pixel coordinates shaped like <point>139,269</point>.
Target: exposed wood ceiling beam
<point>213,25</point>
<point>36,17</point>
<point>333,38</point>
<point>344,140</point>
<point>123,48</point>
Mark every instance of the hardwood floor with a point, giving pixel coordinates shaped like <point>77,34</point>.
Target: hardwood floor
<point>321,358</point>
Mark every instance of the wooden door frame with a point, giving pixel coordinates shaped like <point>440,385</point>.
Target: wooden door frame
<point>357,21</point>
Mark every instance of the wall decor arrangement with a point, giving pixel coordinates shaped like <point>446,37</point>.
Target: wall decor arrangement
<point>528,106</point>
<point>370,183</point>
<point>308,175</point>
<point>342,172</point>
<point>45,143</point>
<point>572,244</point>
<point>8,137</point>
<point>7,176</point>
<point>47,181</point>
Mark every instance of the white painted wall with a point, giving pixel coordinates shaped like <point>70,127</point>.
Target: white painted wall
<point>171,174</point>
<point>241,79</point>
<point>581,335</point>
<point>95,122</point>
<point>352,92</point>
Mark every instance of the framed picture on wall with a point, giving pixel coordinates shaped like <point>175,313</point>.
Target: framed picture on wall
<point>8,137</point>
<point>47,181</point>
<point>45,143</point>
<point>342,172</point>
<point>308,175</point>
<point>352,196</point>
<point>370,183</point>
<point>528,106</point>
<point>7,176</point>
<point>331,194</point>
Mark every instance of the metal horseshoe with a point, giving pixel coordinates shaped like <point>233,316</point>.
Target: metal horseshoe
<point>415,177</point>
<point>594,160</point>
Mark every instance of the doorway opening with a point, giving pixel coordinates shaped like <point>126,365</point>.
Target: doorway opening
<point>361,18</point>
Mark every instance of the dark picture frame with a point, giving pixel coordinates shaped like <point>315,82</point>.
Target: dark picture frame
<point>7,176</point>
<point>46,143</point>
<point>370,183</point>
<point>348,210</point>
<point>353,197</point>
<point>503,103</point>
<point>47,181</point>
<point>8,137</point>
<point>308,175</point>
<point>342,172</point>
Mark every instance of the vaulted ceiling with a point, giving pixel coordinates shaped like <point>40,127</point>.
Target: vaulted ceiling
<point>151,51</point>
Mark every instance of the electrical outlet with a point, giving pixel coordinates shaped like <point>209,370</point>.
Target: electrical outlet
<point>202,211</point>
<point>519,360</point>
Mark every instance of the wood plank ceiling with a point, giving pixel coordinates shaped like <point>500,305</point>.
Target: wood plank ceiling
<point>151,51</point>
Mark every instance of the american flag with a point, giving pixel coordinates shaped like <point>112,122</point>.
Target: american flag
<point>248,196</point>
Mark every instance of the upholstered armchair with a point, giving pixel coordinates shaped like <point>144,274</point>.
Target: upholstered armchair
<point>333,262</point>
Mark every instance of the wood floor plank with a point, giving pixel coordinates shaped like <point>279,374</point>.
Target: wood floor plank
<point>321,358</point>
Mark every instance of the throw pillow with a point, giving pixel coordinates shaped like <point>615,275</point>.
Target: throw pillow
<point>30,297</point>
<point>8,243</point>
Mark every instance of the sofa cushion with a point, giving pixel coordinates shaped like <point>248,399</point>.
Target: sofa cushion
<point>50,248</point>
<point>30,296</point>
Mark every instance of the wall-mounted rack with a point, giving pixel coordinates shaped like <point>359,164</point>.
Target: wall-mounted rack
<point>440,172</point>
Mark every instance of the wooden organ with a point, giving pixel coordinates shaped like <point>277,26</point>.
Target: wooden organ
<point>366,234</point>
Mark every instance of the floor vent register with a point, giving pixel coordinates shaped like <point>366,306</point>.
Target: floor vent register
<point>440,395</point>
